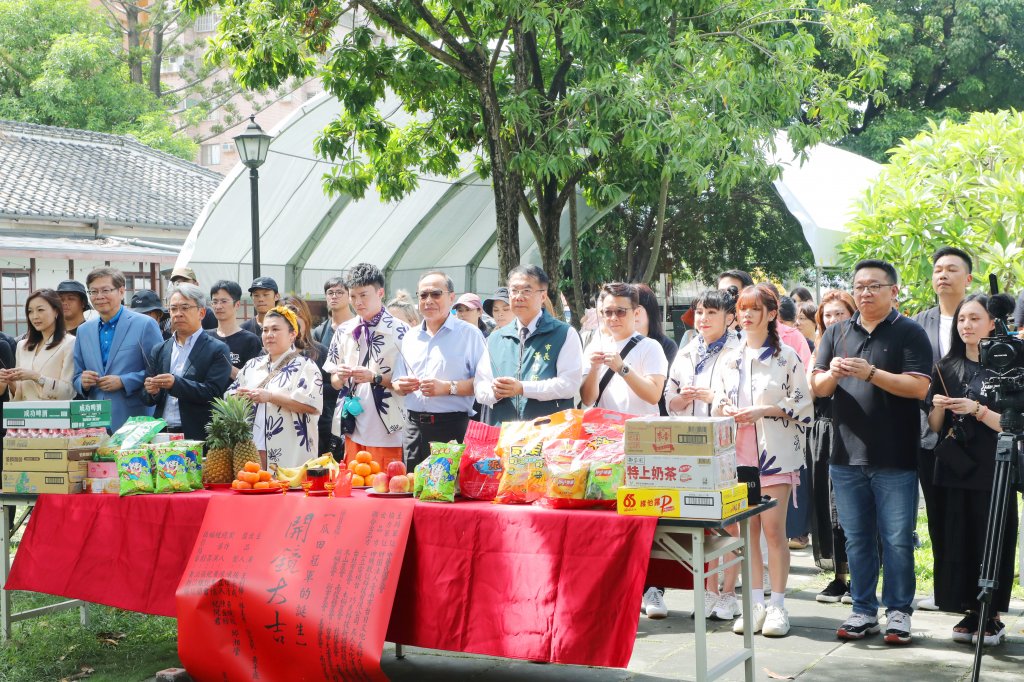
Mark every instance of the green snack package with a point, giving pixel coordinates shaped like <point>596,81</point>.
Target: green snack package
<point>442,472</point>
<point>170,468</point>
<point>135,431</point>
<point>420,473</point>
<point>135,471</point>
<point>604,480</point>
<point>194,462</point>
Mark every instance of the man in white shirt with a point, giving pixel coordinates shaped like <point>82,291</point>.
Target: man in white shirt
<point>534,367</point>
<point>627,371</point>
<point>338,310</point>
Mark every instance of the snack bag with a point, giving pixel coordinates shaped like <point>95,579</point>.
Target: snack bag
<point>135,471</point>
<point>480,468</point>
<point>567,470</point>
<point>567,424</point>
<point>135,431</point>
<point>599,421</point>
<point>170,468</point>
<point>442,472</point>
<point>420,473</point>
<point>524,476</point>
<point>194,462</point>
<point>603,482</point>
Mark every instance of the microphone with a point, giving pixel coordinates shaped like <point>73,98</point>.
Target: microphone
<point>993,284</point>
<point>1000,305</point>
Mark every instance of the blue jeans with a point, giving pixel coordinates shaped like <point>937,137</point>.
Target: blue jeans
<point>877,506</point>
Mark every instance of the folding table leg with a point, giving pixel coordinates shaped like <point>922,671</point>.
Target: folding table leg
<point>83,614</point>
<point>748,602</point>
<point>398,652</point>
<point>700,629</point>
<point>5,596</point>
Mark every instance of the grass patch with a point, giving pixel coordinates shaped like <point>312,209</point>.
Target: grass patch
<point>117,645</point>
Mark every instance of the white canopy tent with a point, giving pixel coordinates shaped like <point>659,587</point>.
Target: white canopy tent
<point>822,192</point>
<point>307,237</point>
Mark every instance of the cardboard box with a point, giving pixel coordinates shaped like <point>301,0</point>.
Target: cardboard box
<point>102,486</point>
<point>682,504</point>
<point>712,472</point>
<point>167,437</point>
<point>695,436</point>
<point>46,460</point>
<point>101,470</point>
<point>57,414</point>
<point>42,482</point>
<point>89,443</point>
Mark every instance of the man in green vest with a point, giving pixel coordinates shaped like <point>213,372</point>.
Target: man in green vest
<point>533,366</point>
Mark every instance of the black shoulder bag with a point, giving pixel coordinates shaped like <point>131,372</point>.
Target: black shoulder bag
<point>630,345</point>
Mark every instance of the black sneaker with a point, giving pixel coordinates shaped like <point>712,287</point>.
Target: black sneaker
<point>833,592</point>
<point>857,626</point>
<point>897,627</point>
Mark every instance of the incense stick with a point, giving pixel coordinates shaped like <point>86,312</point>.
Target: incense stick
<point>941,380</point>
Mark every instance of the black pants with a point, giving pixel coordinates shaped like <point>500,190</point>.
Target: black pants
<point>424,428</point>
<point>934,501</point>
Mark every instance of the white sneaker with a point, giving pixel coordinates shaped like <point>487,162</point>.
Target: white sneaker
<point>710,602</point>
<point>654,604</point>
<point>758,614</point>
<point>776,622</point>
<point>928,604</point>
<point>727,608</point>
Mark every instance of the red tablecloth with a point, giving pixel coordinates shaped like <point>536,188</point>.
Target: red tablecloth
<point>513,581</point>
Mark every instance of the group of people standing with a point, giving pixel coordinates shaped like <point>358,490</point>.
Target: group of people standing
<point>884,402</point>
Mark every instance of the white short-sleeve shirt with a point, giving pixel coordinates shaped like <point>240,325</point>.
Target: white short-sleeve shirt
<point>646,358</point>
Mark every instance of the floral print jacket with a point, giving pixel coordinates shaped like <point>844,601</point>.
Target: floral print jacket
<point>775,380</point>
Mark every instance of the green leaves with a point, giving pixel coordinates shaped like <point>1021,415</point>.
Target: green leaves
<point>955,184</point>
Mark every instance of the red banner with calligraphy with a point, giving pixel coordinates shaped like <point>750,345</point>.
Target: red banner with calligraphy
<point>291,588</point>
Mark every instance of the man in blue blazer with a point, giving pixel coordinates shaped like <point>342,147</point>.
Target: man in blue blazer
<point>187,371</point>
<point>111,350</point>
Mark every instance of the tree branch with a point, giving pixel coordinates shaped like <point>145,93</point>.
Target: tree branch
<point>531,219</point>
<point>558,80</point>
<point>401,28</point>
<point>497,49</point>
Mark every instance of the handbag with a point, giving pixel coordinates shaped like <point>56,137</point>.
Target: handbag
<point>951,454</point>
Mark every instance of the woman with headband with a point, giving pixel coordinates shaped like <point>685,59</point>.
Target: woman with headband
<point>287,390</point>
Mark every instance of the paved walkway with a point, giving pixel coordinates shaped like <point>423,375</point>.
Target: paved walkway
<point>811,652</point>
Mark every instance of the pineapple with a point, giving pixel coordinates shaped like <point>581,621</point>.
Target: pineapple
<point>217,467</point>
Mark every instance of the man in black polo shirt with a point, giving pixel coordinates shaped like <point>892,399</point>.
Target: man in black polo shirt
<point>876,367</point>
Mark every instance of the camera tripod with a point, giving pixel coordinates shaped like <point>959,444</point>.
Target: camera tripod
<point>1005,483</point>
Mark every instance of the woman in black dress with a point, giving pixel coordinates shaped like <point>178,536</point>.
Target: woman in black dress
<point>964,467</point>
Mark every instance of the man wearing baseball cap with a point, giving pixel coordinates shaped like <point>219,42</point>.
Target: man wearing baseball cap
<point>265,296</point>
<point>75,302</point>
<point>146,302</point>
<point>188,276</point>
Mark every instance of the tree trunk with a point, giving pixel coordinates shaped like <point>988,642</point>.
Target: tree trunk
<point>156,59</point>
<point>505,184</point>
<point>131,13</point>
<point>659,231</point>
<point>579,307</point>
<point>551,247</point>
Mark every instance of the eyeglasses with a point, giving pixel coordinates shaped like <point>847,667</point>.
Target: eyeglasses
<point>175,309</point>
<point>523,293</point>
<point>93,293</point>
<point>430,293</point>
<point>334,293</point>
<point>862,289</point>
<point>620,313</point>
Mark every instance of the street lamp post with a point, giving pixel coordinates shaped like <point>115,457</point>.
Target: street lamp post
<point>253,145</point>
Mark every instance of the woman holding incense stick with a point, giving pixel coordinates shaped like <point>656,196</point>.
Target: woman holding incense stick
<point>764,388</point>
<point>965,468</point>
<point>44,361</point>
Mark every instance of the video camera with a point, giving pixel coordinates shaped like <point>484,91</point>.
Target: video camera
<point>1004,355</point>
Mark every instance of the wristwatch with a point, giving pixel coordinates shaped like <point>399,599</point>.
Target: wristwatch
<point>40,380</point>
<point>378,379</point>
<point>453,388</point>
<point>625,370</point>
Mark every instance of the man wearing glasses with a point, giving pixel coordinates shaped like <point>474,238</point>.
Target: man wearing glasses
<point>533,367</point>
<point>338,310</point>
<point>111,350</point>
<point>435,370</point>
<point>627,371</point>
<point>876,366</point>
<point>187,371</point>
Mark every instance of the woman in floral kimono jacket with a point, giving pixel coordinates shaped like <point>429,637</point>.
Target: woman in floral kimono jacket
<point>287,391</point>
<point>763,386</point>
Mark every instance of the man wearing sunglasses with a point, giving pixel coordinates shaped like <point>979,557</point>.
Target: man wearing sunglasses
<point>435,370</point>
<point>533,367</point>
<point>626,371</point>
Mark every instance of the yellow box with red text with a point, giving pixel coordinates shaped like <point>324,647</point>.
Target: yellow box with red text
<point>682,504</point>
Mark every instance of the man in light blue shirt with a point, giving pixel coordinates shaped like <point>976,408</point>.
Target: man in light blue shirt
<point>435,370</point>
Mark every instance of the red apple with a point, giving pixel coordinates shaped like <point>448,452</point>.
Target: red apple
<point>379,482</point>
<point>395,469</point>
<point>399,484</point>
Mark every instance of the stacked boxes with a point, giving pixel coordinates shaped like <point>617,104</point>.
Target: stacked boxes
<point>681,467</point>
<point>47,454</point>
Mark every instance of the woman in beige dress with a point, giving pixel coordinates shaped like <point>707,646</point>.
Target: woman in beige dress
<point>44,361</point>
